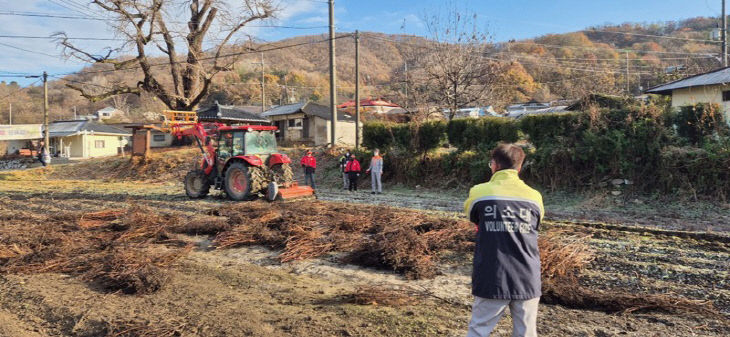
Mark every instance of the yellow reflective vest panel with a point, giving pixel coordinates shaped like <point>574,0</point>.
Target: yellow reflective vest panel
<point>506,257</point>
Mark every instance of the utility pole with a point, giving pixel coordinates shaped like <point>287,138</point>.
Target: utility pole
<point>405,67</point>
<point>10,113</point>
<point>723,36</point>
<point>46,151</point>
<point>628,83</point>
<point>263,84</point>
<point>333,76</point>
<point>357,90</point>
<point>75,113</point>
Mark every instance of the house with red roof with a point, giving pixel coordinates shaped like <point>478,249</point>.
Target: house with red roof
<point>378,106</point>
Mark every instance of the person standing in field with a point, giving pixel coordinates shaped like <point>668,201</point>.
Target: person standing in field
<point>353,172</point>
<point>343,162</point>
<point>309,164</point>
<point>42,152</point>
<point>506,272</point>
<point>376,171</point>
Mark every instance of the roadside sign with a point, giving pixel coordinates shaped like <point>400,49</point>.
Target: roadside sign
<point>20,131</point>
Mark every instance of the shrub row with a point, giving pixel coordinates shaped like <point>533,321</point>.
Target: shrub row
<point>684,150</point>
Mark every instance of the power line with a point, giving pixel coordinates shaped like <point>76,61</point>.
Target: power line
<point>648,35</point>
<point>596,30</point>
<point>608,59</point>
<point>52,37</point>
<point>539,63</point>
<point>288,27</point>
<point>27,50</point>
<point>607,49</point>
<point>81,82</point>
<point>209,57</point>
<point>48,15</point>
<point>69,8</point>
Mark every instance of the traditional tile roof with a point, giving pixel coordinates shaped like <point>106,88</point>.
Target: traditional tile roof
<point>230,113</point>
<point>308,108</point>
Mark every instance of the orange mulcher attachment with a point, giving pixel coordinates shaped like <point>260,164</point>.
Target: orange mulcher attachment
<point>294,191</point>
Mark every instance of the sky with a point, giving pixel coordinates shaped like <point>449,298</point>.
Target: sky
<point>503,20</point>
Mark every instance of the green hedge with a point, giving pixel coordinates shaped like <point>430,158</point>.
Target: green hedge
<point>699,172</point>
<point>642,143</point>
<point>410,138</point>
<point>698,122</point>
<point>545,129</point>
<point>481,133</point>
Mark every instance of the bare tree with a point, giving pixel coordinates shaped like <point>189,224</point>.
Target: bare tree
<point>454,66</point>
<point>150,25</point>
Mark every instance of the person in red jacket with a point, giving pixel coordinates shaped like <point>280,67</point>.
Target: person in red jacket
<point>353,172</point>
<point>309,164</point>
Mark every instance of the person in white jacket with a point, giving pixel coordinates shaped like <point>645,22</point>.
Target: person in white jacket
<point>376,171</point>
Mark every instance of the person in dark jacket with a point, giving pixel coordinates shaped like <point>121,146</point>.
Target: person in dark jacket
<point>506,272</point>
<point>353,172</point>
<point>343,162</point>
<point>42,153</point>
<point>309,164</point>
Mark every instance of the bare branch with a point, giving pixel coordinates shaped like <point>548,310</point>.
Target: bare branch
<point>100,97</point>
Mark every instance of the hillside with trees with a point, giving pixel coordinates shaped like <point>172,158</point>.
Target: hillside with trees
<point>549,67</point>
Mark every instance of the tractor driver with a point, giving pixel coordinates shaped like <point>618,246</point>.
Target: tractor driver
<point>224,151</point>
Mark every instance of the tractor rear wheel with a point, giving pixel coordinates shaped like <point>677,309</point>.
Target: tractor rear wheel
<point>197,184</point>
<point>283,174</point>
<point>237,183</point>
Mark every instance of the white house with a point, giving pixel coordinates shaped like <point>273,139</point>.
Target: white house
<point>474,112</point>
<point>108,113</point>
<point>709,87</point>
<point>86,139</point>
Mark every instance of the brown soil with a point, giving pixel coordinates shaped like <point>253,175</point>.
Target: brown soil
<point>71,251</point>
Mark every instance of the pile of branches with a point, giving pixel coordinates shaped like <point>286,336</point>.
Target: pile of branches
<point>400,240</point>
<point>410,243</point>
<point>110,248</point>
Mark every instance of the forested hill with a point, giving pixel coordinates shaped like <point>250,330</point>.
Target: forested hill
<point>544,68</point>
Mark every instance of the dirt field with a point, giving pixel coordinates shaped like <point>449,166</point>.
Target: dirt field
<point>247,291</point>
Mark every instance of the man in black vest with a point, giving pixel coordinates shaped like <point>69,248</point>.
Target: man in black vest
<point>506,273</point>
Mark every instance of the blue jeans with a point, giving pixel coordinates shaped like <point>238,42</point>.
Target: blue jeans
<point>309,179</point>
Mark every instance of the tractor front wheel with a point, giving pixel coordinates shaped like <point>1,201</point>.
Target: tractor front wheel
<point>283,174</point>
<point>197,184</point>
<point>238,182</point>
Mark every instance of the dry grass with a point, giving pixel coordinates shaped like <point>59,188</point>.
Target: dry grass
<point>393,296</point>
<point>140,328</point>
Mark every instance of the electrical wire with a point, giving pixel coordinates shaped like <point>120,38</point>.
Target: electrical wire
<point>53,37</point>
<point>212,57</point>
<point>648,35</point>
<point>69,8</point>
<point>27,50</point>
<point>48,15</point>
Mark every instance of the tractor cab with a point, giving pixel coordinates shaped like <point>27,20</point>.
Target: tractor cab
<point>252,143</point>
<point>242,142</point>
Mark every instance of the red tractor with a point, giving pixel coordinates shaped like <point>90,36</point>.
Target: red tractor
<point>243,161</point>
